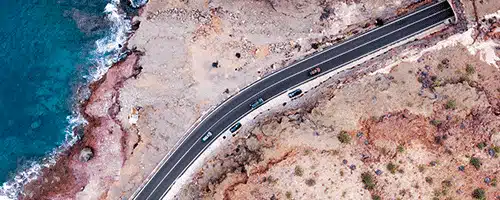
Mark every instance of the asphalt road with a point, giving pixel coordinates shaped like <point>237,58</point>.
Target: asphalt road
<point>233,109</point>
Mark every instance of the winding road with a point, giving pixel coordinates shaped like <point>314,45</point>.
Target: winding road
<point>275,84</point>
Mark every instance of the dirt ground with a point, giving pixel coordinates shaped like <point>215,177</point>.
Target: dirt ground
<point>426,128</point>
<point>198,53</point>
<point>389,118</point>
<point>434,114</point>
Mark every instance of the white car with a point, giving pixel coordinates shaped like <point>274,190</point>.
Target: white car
<point>207,136</point>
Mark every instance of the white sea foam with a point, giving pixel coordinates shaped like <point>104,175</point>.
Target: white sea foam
<point>138,3</point>
<point>108,51</point>
<point>11,189</point>
<point>108,47</point>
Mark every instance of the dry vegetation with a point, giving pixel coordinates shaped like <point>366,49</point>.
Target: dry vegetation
<point>197,53</point>
<point>429,129</point>
<point>385,136</point>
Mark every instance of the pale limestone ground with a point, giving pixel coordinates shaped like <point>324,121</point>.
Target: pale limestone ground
<point>274,105</point>
<point>181,40</point>
<point>320,155</point>
<point>353,107</point>
<point>484,7</point>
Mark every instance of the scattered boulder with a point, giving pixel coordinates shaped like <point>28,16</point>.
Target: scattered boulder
<point>215,64</point>
<point>327,11</point>
<point>86,154</point>
<point>491,152</point>
<point>252,144</point>
<point>487,180</point>
<point>133,117</point>
<point>315,45</point>
<point>295,117</point>
<point>135,24</point>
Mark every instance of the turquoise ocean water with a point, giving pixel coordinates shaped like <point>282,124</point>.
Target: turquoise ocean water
<point>49,50</point>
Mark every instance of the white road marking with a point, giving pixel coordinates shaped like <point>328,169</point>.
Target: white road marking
<point>190,132</point>
<point>292,87</point>
<point>166,192</point>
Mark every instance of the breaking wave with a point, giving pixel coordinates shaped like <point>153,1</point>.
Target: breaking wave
<point>138,3</point>
<point>108,50</point>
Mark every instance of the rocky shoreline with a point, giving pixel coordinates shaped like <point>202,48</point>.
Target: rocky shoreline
<point>74,173</point>
<point>88,168</point>
<point>93,164</point>
<point>387,135</point>
<point>177,84</point>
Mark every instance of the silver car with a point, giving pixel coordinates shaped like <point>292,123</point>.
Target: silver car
<point>206,137</point>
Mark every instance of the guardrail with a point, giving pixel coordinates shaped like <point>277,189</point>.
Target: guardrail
<point>212,109</point>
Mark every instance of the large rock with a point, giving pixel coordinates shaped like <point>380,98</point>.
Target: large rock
<point>135,23</point>
<point>86,154</point>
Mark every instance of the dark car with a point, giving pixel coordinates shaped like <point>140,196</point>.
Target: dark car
<point>295,93</point>
<point>235,127</point>
<point>314,71</point>
<point>207,136</point>
<point>257,103</point>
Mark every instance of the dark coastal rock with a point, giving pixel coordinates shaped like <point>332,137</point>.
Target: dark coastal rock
<point>86,154</point>
<point>135,23</point>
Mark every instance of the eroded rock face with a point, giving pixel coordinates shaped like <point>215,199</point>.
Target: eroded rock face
<point>73,176</point>
<point>425,129</point>
<point>86,154</point>
<point>246,40</point>
<point>135,23</point>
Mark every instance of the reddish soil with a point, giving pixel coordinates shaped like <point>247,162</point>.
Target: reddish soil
<point>69,175</point>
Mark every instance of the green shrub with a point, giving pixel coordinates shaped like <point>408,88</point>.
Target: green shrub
<point>368,180</point>
<point>464,79</point>
<point>344,137</point>
<point>436,193</point>
<point>446,183</point>
<point>451,104</point>
<point>421,168</point>
<point>384,151</point>
<point>496,149</point>
<point>444,192</point>
<point>470,69</point>
<point>479,193</point>
<point>392,167</point>
<point>481,145</point>
<point>288,195</point>
<point>428,179</point>
<point>436,83</point>
<point>298,171</point>
<point>440,67</point>
<point>376,197</point>
<point>435,122</point>
<point>271,179</point>
<point>310,182</point>
<point>475,162</point>
<point>445,61</point>
<point>401,148</point>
